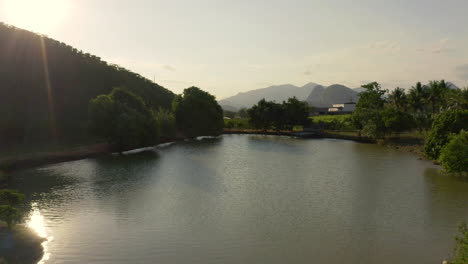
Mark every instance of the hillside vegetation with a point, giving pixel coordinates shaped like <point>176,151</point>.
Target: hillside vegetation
<point>46,85</point>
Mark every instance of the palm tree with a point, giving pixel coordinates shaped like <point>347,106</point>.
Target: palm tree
<point>417,100</point>
<point>398,98</point>
<point>417,97</point>
<point>438,91</point>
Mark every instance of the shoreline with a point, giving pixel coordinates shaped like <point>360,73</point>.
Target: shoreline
<point>92,151</point>
<point>20,245</point>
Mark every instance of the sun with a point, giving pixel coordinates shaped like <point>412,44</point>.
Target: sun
<point>36,15</point>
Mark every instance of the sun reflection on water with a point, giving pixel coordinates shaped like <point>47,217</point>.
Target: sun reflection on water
<point>36,222</point>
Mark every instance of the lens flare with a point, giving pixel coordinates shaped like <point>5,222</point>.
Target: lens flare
<point>37,223</point>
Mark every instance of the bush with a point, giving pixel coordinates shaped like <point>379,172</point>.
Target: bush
<point>461,246</point>
<point>449,122</point>
<point>454,155</point>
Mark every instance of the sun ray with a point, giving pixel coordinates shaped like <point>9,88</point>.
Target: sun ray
<point>48,86</point>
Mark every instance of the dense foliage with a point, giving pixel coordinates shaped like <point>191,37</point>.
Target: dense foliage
<point>9,199</point>
<point>197,113</point>
<point>461,247</point>
<point>380,112</point>
<point>167,125</point>
<point>454,155</point>
<point>451,121</point>
<point>271,115</point>
<point>45,87</point>
<point>123,119</point>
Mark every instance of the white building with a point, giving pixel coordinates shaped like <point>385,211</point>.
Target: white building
<point>345,108</point>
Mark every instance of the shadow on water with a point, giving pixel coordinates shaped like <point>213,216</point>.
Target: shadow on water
<point>277,144</point>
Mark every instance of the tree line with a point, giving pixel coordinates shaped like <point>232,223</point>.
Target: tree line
<point>278,116</point>
<point>125,121</point>
<point>436,108</point>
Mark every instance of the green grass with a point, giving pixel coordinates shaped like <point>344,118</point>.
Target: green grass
<point>333,122</point>
<point>330,118</point>
<point>237,123</point>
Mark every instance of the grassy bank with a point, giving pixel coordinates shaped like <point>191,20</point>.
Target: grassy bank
<point>412,141</point>
<point>20,245</point>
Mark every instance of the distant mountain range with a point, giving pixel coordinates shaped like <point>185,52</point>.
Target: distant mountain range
<point>315,94</point>
<point>276,93</point>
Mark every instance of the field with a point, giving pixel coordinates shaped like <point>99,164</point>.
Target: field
<point>333,122</point>
<point>330,118</point>
<point>241,123</point>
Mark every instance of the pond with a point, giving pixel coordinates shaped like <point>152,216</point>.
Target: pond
<point>247,199</point>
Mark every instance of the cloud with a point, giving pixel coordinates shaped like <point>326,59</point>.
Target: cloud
<point>386,45</point>
<point>308,72</point>
<point>168,68</point>
<point>440,46</point>
<point>462,71</point>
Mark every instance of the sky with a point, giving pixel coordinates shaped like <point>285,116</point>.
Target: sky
<point>227,47</point>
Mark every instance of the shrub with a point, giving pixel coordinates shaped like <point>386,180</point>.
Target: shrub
<point>449,122</point>
<point>461,246</point>
<point>454,155</point>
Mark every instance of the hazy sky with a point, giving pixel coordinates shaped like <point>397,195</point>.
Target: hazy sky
<point>226,47</point>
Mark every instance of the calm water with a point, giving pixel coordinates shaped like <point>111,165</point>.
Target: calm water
<point>247,199</point>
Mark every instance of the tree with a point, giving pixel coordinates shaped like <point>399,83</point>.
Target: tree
<point>8,200</point>
<point>229,114</point>
<point>418,102</point>
<point>454,155</point>
<point>123,119</point>
<point>438,91</point>
<point>396,121</point>
<point>296,113</point>
<point>9,215</point>
<point>373,127</point>
<point>457,99</point>
<point>372,97</point>
<point>417,97</point>
<point>198,113</point>
<point>10,197</point>
<point>397,98</point>
<point>242,113</point>
<point>166,122</point>
<point>452,121</point>
<point>262,114</point>
<point>367,117</point>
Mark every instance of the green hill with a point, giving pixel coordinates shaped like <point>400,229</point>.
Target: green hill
<point>45,87</point>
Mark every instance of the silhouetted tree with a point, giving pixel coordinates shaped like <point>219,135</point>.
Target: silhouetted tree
<point>198,113</point>
<point>123,119</point>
